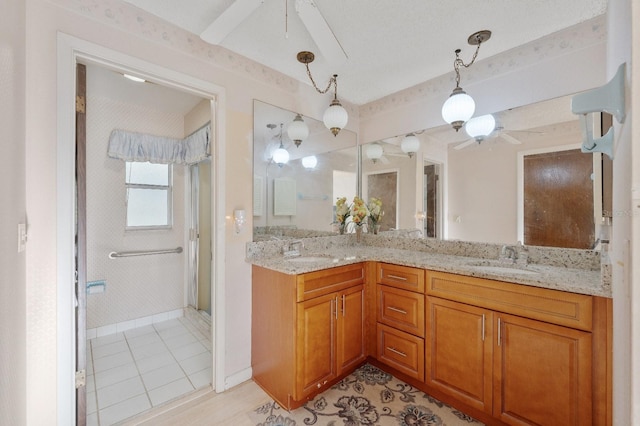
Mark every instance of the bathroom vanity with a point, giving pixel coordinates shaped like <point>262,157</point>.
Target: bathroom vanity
<point>505,345</point>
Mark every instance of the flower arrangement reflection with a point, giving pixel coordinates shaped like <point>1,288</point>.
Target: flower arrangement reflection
<point>375,213</point>
<point>343,210</point>
<point>359,211</point>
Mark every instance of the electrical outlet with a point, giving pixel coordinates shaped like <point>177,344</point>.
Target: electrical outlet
<point>22,237</point>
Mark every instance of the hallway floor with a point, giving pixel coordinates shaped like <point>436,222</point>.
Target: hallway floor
<point>135,370</point>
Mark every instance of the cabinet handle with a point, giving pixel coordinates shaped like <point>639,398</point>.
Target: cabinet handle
<point>483,319</point>
<point>344,306</point>
<point>395,277</point>
<point>395,351</point>
<point>400,311</point>
<point>336,311</point>
<point>499,332</point>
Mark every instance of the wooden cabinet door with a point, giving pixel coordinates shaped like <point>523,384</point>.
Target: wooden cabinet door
<point>350,343</point>
<point>315,344</point>
<point>460,350</point>
<point>542,373</point>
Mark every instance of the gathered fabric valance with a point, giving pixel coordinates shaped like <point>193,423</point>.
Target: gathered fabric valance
<point>132,146</point>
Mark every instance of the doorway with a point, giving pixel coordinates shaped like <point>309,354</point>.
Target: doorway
<point>70,52</point>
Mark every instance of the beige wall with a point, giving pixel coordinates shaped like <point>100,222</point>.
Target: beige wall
<point>140,286</point>
<point>13,295</point>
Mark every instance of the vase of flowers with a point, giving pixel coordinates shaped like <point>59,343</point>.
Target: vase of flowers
<point>343,211</point>
<point>359,214</point>
<point>375,214</point>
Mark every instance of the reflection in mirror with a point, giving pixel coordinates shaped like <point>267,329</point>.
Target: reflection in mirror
<point>296,198</point>
<point>492,197</point>
<point>486,196</point>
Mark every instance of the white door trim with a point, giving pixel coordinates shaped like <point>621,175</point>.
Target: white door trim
<point>69,50</point>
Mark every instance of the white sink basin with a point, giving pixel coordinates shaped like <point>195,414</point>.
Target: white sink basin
<point>504,270</point>
<point>309,259</point>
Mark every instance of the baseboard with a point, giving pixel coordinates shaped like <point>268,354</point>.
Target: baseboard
<point>238,378</point>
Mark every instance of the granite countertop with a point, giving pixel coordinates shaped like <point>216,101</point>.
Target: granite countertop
<point>557,277</point>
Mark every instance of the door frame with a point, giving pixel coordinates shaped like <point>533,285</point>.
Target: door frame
<point>71,50</point>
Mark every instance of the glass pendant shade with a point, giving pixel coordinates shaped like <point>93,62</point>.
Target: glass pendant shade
<point>281,156</point>
<point>374,152</point>
<point>480,127</point>
<point>410,144</point>
<point>309,162</point>
<point>298,130</point>
<point>458,108</point>
<point>335,117</point>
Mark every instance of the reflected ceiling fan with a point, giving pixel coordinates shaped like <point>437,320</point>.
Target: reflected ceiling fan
<point>308,12</point>
<point>478,130</point>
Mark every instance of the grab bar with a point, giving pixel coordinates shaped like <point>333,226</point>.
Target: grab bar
<point>114,254</point>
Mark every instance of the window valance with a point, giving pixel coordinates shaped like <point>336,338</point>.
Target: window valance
<point>132,146</point>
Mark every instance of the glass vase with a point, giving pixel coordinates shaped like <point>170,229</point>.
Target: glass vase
<point>341,227</point>
<point>376,229</point>
<point>358,233</point>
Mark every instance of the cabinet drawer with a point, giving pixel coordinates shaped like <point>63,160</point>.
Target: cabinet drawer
<point>318,283</point>
<point>401,309</point>
<point>403,277</point>
<point>401,350</point>
<point>553,306</point>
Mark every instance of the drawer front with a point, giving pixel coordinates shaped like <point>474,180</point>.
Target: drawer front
<point>401,350</point>
<point>553,306</point>
<point>404,277</point>
<point>401,309</point>
<point>319,283</point>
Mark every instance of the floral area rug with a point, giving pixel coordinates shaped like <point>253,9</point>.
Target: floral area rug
<point>369,396</point>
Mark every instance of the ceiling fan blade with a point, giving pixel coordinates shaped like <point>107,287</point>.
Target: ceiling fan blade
<point>465,144</point>
<point>510,138</point>
<point>384,159</point>
<point>229,20</point>
<point>320,32</point>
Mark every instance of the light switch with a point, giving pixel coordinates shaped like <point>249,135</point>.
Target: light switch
<point>22,237</point>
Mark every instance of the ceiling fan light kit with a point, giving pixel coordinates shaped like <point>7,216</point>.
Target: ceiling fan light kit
<point>459,107</point>
<point>480,127</point>
<point>374,152</point>
<point>335,118</point>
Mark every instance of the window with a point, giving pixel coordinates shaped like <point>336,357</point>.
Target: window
<point>148,200</point>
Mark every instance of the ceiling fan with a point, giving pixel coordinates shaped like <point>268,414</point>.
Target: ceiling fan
<point>499,132</point>
<point>308,12</point>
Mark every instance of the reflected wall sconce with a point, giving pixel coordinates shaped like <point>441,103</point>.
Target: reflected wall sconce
<point>280,155</point>
<point>309,162</point>
<point>459,107</point>
<point>410,144</point>
<point>335,117</point>
<point>480,127</point>
<point>374,152</point>
<point>298,130</point>
<point>239,219</point>
<point>608,98</point>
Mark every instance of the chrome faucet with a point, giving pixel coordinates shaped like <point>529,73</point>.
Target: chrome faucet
<point>509,253</point>
<point>292,248</point>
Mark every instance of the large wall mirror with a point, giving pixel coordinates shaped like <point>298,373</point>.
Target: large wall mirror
<point>527,181</point>
<point>296,198</point>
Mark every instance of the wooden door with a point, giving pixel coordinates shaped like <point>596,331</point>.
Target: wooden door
<point>81,245</point>
<point>558,200</point>
<point>459,356</point>
<point>350,337</point>
<point>315,355</point>
<point>542,373</point>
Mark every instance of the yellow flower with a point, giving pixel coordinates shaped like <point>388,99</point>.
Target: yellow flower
<point>342,209</point>
<point>359,211</point>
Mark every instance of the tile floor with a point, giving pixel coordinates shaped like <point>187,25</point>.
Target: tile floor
<point>135,370</point>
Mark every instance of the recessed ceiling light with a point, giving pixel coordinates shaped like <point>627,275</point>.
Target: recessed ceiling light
<point>134,78</point>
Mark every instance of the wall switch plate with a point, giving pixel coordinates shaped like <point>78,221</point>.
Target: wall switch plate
<point>22,237</point>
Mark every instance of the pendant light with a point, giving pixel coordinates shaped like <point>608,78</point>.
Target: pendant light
<point>280,155</point>
<point>335,118</point>
<point>309,162</point>
<point>374,152</point>
<point>410,144</point>
<point>298,130</point>
<point>459,107</point>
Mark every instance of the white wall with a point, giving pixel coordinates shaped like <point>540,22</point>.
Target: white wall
<point>626,300</point>
<point>13,295</point>
<point>139,286</point>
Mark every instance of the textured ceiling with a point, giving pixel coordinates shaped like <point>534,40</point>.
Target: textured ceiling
<point>390,44</point>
